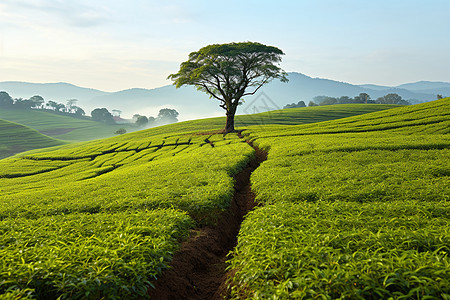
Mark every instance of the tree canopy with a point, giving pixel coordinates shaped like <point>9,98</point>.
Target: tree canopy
<point>228,72</point>
<point>102,115</point>
<point>167,116</point>
<point>141,121</point>
<point>5,99</point>
<point>392,99</point>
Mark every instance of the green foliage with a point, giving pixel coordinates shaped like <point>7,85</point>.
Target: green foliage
<point>102,115</point>
<point>226,72</point>
<point>167,116</point>
<point>293,116</point>
<point>5,100</point>
<point>339,250</point>
<point>15,294</point>
<point>120,131</point>
<point>360,176</point>
<point>16,138</point>
<point>356,208</point>
<point>62,127</point>
<point>141,121</point>
<point>89,256</point>
<point>233,60</point>
<point>391,99</point>
<point>103,218</point>
<point>431,117</point>
<point>295,105</point>
<point>125,175</point>
<point>361,98</point>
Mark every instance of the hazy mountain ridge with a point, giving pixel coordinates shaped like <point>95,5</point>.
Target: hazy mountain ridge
<point>192,104</point>
<point>424,85</point>
<point>57,91</point>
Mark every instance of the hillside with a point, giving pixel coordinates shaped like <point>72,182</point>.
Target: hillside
<point>60,126</point>
<point>442,88</point>
<point>356,208</point>
<point>192,104</point>
<point>293,116</point>
<point>73,130</point>
<point>366,194</point>
<point>16,138</point>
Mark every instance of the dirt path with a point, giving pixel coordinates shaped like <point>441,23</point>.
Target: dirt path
<point>198,268</point>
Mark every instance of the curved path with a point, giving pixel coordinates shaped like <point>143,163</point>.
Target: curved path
<point>198,269</point>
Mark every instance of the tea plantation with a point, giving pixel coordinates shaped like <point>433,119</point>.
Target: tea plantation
<point>357,208</point>
<point>103,218</point>
<point>350,208</point>
<point>62,127</point>
<point>18,138</point>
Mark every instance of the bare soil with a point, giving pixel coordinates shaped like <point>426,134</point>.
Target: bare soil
<point>198,269</point>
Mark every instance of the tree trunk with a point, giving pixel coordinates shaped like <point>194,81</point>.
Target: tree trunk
<point>229,127</point>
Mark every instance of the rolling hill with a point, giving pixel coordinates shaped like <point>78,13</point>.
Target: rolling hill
<point>72,129</point>
<point>356,207</point>
<point>426,87</point>
<point>192,104</point>
<point>62,127</point>
<point>16,138</point>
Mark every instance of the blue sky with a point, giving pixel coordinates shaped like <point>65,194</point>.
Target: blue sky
<point>113,45</point>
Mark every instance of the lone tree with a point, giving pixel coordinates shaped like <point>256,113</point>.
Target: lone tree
<point>226,71</point>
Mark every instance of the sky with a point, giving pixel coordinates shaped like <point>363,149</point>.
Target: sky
<point>113,45</point>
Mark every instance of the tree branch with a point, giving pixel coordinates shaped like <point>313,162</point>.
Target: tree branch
<point>211,93</point>
<point>252,93</point>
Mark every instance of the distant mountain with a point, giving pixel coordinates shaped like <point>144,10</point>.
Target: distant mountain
<point>428,87</point>
<point>424,85</point>
<point>375,87</point>
<point>192,104</point>
<point>59,91</point>
<point>302,87</point>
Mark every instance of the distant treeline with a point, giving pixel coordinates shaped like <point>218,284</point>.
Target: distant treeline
<point>361,98</point>
<point>37,102</point>
<point>165,116</point>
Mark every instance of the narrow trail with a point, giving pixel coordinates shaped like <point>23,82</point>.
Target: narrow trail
<point>198,269</point>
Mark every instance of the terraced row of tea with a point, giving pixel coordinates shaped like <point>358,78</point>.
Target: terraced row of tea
<point>104,218</point>
<point>357,208</point>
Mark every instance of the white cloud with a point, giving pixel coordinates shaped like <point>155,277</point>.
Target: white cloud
<point>74,13</point>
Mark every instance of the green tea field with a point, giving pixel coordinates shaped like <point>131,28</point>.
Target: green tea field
<point>357,208</point>
<point>73,129</point>
<point>69,129</point>
<point>60,126</point>
<point>351,204</point>
<point>17,138</point>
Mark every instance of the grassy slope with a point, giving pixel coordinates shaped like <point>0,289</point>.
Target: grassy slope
<point>122,205</point>
<point>292,116</point>
<point>61,127</point>
<point>110,181</point>
<point>17,138</point>
<point>71,129</point>
<point>356,208</point>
